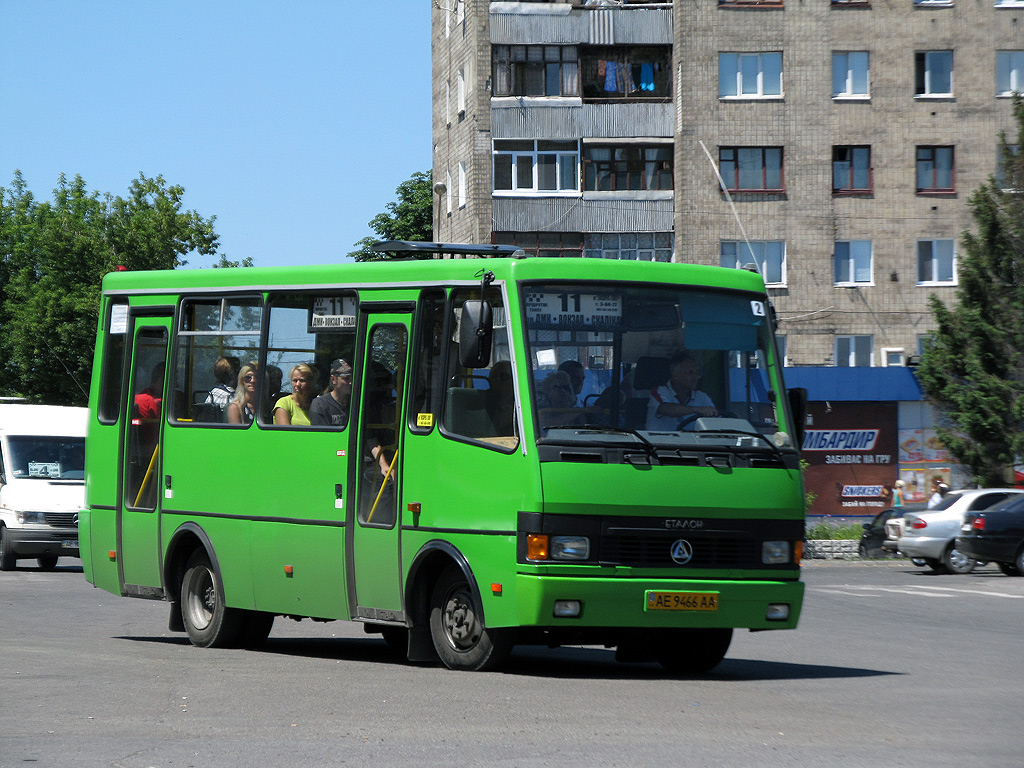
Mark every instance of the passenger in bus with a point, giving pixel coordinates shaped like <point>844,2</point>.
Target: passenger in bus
<point>272,378</point>
<point>294,408</point>
<point>379,416</point>
<point>577,375</point>
<point>499,400</point>
<point>331,408</point>
<point>678,400</point>
<point>242,405</point>
<point>557,402</point>
<point>225,371</point>
<point>149,399</point>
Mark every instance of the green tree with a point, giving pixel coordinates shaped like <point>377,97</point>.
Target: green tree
<point>53,255</point>
<point>408,218</point>
<point>973,367</point>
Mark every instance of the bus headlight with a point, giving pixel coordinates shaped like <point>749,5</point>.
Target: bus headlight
<point>775,552</point>
<point>570,548</point>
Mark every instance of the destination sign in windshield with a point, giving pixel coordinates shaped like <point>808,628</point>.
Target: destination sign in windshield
<point>567,308</point>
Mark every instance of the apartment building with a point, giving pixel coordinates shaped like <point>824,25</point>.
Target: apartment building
<point>833,144</point>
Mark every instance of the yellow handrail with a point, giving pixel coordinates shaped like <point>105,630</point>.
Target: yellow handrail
<point>391,466</point>
<point>149,472</point>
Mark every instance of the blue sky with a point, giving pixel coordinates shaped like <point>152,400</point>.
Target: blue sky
<point>292,121</point>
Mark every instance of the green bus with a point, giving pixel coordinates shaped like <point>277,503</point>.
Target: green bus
<point>519,451</point>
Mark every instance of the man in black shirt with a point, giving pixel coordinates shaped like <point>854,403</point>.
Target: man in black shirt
<point>331,408</point>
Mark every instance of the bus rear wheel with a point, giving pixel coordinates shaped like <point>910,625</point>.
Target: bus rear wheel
<point>691,651</point>
<point>460,638</point>
<point>208,622</point>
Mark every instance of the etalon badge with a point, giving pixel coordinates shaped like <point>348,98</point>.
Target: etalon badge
<point>681,551</point>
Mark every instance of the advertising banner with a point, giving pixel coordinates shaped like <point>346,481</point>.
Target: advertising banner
<point>852,452</point>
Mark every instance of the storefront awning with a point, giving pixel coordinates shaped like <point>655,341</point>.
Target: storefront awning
<point>892,384</point>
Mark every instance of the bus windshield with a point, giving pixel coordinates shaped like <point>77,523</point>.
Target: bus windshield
<point>669,367</point>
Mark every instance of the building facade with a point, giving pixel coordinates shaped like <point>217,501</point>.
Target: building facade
<point>833,144</point>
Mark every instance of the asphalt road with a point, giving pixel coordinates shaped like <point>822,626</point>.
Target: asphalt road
<point>891,666</point>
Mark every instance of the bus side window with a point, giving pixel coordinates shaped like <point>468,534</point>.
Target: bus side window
<point>479,404</point>
<point>428,375</point>
<point>112,374</point>
<point>216,337</point>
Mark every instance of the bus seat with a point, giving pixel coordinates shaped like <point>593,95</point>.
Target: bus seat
<point>466,413</point>
<point>648,373</point>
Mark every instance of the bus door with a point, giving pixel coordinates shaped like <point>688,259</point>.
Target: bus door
<point>375,555</point>
<point>138,519</point>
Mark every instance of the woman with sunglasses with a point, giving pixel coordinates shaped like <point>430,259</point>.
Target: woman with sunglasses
<point>241,405</point>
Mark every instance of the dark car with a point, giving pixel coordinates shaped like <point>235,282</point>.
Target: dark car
<point>874,534</point>
<point>996,534</point>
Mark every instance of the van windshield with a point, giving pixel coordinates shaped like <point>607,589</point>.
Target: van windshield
<point>680,367</point>
<point>47,458</point>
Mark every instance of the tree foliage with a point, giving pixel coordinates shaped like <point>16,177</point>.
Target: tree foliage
<point>973,367</point>
<point>53,255</point>
<point>407,218</point>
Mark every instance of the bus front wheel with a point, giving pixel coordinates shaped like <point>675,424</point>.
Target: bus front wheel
<point>691,651</point>
<point>460,638</point>
<point>208,622</point>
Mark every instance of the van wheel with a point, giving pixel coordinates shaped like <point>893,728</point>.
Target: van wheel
<point>208,622</point>
<point>460,637</point>
<point>691,651</point>
<point>7,559</point>
<point>47,562</point>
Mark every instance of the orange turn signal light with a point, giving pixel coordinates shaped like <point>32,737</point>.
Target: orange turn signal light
<point>798,552</point>
<point>536,546</point>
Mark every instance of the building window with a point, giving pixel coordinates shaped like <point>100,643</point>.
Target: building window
<point>626,72</point>
<point>933,72</point>
<point>853,351</point>
<point>633,246</point>
<point>556,244</point>
<point>535,70</point>
<point>749,75</point>
<point>892,356</point>
<point>462,184</point>
<point>935,170</point>
<point>850,75</point>
<point>460,92</point>
<point>768,255</point>
<point>853,262</point>
<point>1004,154</point>
<point>627,166</point>
<point>1009,72</point>
<point>936,262</point>
<point>851,169</point>
<point>525,165</point>
<point>751,169</point>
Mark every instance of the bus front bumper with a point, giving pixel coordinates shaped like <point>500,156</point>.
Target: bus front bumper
<point>653,603</point>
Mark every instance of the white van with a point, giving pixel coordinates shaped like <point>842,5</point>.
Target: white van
<point>42,482</point>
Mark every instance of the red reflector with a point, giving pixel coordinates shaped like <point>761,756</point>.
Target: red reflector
<point>978,524</point>
<point>918,524</point>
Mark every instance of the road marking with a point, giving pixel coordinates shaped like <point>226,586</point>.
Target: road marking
<point>916,590</point>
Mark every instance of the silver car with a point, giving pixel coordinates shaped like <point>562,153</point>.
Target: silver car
<point>930,535</point>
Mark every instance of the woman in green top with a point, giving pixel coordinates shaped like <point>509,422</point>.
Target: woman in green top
<point>294,408</point>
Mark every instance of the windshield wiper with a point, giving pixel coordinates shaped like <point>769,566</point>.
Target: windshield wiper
<point>774,448</point>
<point>649,448</point>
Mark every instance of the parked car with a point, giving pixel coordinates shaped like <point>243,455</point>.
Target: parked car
<point>996,534</point>
<point>42,482</point>
<point>931,535</point>
<point>894,529</point>
<point>874,536</point>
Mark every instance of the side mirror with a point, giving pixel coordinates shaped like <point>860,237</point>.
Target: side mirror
<point>798,407</point>
<point>475,331</point>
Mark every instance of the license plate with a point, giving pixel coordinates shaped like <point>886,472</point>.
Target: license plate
<point>682,601</point>
<point>70,543</point>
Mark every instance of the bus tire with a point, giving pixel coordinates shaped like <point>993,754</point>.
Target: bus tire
<point>7,559</point>
<point>208,622</point>
<point>460,638</point>
<point>691,651</point>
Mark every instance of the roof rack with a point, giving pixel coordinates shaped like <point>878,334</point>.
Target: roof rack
<point>407,249</point>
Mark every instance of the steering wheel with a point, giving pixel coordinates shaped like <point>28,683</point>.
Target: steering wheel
<point>686,421</point>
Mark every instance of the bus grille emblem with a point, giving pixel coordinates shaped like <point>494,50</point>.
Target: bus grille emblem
<point>681,551</point>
